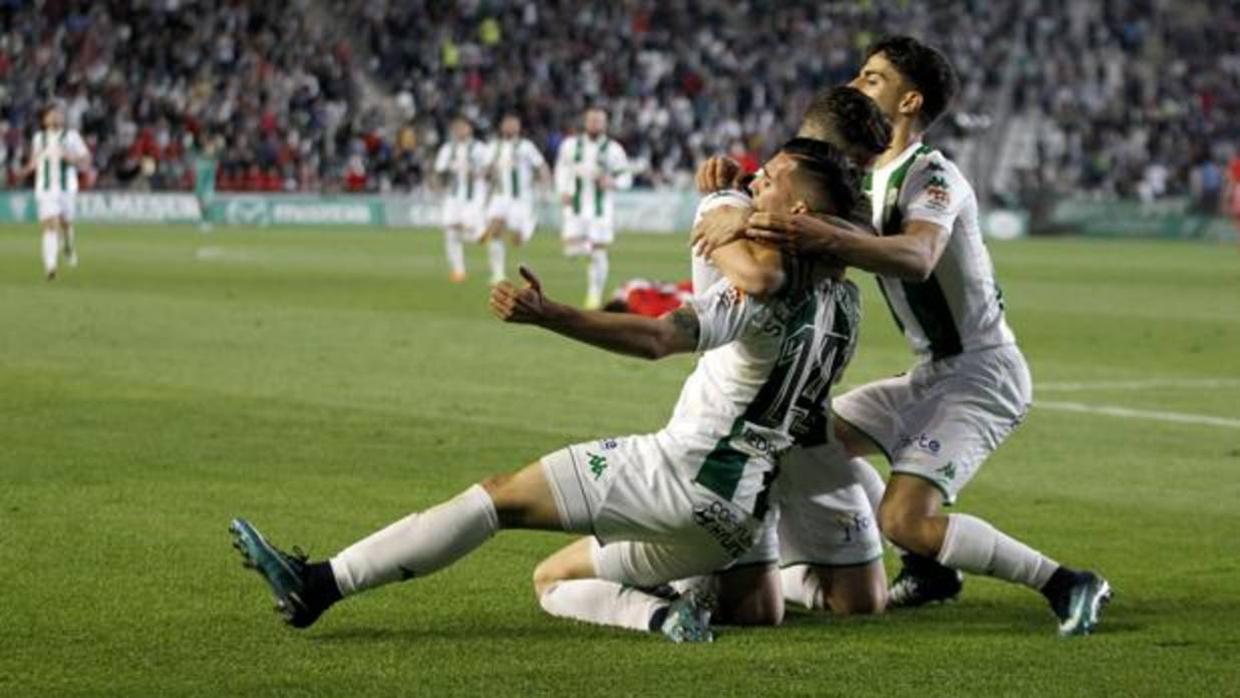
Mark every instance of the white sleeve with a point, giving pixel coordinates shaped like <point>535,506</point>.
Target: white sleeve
<point>934,192</point>
<point>704,272</point>
<point>723,313</point>
<point>481,157</point>
<point>533,155</point>
<point>564,166</point>
<point>75,146</point>
<point>618,165</point>
<point>441,160</point>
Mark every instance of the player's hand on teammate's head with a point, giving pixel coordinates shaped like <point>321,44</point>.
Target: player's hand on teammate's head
<point>718,173</point>
<point>525,305</point>
<point>718,227</point>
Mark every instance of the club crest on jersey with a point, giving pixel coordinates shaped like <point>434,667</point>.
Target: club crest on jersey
<point>938,193</point>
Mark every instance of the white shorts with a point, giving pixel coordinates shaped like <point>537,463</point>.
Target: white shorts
<point>943,418</point>
<point>825,517</point>
<point>653,524</point>
<point>596,230</point>
<point>516,213</point>
<point>465,213</point>
<point>55,204</point>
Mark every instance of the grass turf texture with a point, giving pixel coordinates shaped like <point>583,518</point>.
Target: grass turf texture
<point>326,383</point>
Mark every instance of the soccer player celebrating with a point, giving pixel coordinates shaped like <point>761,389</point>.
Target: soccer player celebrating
<point>588,169</point>
<point>57,155</point>
<point>677,503</point>
<point>971,386</point>
<point>826,552</point>
<point>514,162</point>
<point>462,163</point>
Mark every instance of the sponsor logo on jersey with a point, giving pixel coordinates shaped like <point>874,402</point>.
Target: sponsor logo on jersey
<point>725,526</point>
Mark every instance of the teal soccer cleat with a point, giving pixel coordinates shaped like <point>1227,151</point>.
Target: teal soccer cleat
<point>688,618</point>
<point>1086,599</point>
<point>284,573</point>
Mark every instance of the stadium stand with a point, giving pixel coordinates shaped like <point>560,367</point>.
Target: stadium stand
<point>334,95</point>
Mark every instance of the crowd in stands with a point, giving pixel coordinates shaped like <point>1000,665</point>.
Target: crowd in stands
<point>1123,97</point>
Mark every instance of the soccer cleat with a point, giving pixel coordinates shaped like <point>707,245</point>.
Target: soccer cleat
<point>284,573</point>
<point>1083,608</point>
<point>457,277</point>
<point>71,258</point>
<point>51,274</point>
<point>688,618</point>
<point>922,581</point>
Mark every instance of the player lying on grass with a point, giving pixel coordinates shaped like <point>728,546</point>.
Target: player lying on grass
<point>971,386</point>
<point>681,502</point>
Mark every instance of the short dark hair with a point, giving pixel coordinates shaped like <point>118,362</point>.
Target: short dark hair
<point>834,175</point>
<point>926,68</point>
<point>844,117</point>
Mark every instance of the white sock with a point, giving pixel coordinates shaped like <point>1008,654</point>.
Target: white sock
<point>418,544</point>
<point>972,545</point>
<point>455,249</point>
<point>801,587</point>
<point>596,275</point>
<point>870,480</point>
<point>495,253</point>
<point>601,602</point>
<point>51,250</point>
<point>70,242</point>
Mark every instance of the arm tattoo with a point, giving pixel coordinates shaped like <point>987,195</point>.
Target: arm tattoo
<point>685,320</point>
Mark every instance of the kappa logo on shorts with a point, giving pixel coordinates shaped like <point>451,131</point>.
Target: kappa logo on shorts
<point>948,471</point>
<point>597,464</point>
<point>724,526</point>
<point>922,441</point>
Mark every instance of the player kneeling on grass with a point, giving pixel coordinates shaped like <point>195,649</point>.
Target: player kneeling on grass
<point>681,502</point>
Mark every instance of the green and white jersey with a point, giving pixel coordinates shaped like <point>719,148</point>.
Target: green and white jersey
<point>466,164</point>
<point>53,154</point>
<point>513,163</point>
<point>960,307</point>
<point>764,381</point>
<point>579,164</point>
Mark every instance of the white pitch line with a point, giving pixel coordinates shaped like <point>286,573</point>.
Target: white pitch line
<point>1128,413</point>
<point>1150,384</point>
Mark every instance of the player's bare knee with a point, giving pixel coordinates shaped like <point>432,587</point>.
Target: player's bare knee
<point>546,574</point>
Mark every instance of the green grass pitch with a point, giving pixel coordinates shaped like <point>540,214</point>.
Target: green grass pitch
<point>324,383</point>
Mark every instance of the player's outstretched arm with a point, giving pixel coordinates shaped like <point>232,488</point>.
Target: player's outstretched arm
<point>912,255</point>
<point>632,335</point>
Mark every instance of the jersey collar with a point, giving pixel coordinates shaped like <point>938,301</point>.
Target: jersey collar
<point>900,159</point>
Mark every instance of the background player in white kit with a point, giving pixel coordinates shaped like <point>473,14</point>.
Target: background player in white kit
<point>511,218</point>
<point>680,502</point>
<point>56,156</point>
<point>971,386</point>
<point>588,169</point>
<point>462,164</point>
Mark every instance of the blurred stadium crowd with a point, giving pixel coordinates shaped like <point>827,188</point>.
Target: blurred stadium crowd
<point>1135,98</point>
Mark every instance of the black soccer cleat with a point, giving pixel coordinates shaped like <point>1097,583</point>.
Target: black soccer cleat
<point>284,573</point>
<point>923,580</point>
